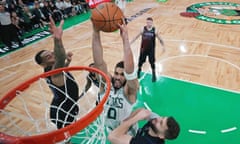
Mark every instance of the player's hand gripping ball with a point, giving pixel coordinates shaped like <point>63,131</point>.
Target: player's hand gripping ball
<point>106,17</point>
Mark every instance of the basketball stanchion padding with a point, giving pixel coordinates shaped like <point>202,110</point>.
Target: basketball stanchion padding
<point>93,3</point>
<point>24,110</point>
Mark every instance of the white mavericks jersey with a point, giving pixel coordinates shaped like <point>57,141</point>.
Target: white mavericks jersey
<point>116,109</point>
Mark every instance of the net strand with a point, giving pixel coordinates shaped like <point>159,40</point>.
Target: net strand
<point>94,133</point>
<point>26,109</point>
<point>45,103</point>
<point>40,123</point>
<point>67,97</point>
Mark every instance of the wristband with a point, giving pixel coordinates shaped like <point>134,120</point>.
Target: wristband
<point>131,76</point>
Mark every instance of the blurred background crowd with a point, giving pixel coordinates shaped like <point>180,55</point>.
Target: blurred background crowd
<point>22,16</point>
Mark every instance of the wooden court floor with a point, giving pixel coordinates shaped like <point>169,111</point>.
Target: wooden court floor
<point>196,51</point>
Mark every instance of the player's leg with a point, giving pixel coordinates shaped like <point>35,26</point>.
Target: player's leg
<point>152,63</point>
<point>141,60</point>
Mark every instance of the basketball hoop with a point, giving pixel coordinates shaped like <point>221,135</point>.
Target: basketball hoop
<point>24,111</point>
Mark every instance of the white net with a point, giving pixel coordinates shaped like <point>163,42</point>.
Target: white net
<point>93,134</point>
<point>29,113</point>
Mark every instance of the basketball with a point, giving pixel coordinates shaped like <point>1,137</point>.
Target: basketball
<point>106,17</point>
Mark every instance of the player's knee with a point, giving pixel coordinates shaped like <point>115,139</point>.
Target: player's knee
<point>152,65</point>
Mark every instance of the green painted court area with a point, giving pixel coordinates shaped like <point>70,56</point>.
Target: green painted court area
<point>206,115</point>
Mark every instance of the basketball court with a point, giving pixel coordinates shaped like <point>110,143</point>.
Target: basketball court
<point>207,114</point>
<point>198,75</point>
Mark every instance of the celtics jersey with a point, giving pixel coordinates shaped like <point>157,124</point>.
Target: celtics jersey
<point>116,109</point>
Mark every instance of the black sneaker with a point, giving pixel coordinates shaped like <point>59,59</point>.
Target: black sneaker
<point>21,45</point>
<point>154,78</point>
<point>138,73</point>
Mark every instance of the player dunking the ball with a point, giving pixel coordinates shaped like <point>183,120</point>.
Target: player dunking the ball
<point>124,80</point>
<point>147,49</point>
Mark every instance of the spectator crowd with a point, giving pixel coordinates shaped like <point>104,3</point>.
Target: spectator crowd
<point>18,17</point>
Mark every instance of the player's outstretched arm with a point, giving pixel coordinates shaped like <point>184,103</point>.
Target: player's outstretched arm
<point>130,74</point>
<point>119,135</point>
<point>136,37</point>
<point>59,51</point>
<point>161,42</point>
<point>97,51</point>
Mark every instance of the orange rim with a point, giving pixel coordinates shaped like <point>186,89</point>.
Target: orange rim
<point>57,135</point>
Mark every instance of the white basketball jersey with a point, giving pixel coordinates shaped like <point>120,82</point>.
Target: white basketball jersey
<point>116,109</point>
